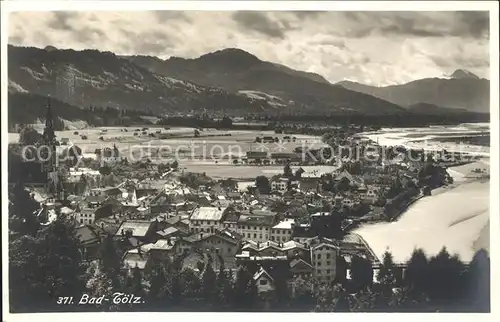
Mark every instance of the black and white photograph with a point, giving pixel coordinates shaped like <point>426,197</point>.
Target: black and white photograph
<point>204,156</point>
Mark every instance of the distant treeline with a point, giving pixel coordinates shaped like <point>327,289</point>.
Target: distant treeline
<point>406,119</point>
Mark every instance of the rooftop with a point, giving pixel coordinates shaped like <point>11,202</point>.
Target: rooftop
<point>285,224</point>
<point>137,227</point>
<point>208,213</point>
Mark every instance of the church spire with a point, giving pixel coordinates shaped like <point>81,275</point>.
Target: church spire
<point>48,132</point>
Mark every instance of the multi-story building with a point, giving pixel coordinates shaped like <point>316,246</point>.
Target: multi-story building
<point>282,232</point>
<point>280,184</point>
<point>256,228</point>
<point>324,260</point>
<point>207,219</point>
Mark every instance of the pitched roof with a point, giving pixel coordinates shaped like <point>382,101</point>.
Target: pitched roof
<point>135,259</point>
<point>138,228</point>
<point>208,213</point>
<point>86,234</point>
<point>300,261</point>
<point>262,272</point>
<point>167,231</point>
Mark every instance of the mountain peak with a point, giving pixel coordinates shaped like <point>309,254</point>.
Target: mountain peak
<point>50,48</point>
<point>462,73</point>
<point>232,54</point>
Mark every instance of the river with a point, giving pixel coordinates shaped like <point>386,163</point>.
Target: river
<point>455,217</point>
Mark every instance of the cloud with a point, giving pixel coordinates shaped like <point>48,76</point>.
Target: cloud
<point>259,22</point>
<point>373,47</point>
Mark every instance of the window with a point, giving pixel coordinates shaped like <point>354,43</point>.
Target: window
<point>263,282</point>
<point>272,238</point>
<point>260,236</point>
<point>81,221</point>
<point>254,235</point>
<point>328,271</point>
<point>328,263</point>
<point>289,232</point>
<point>229,250</point>
<point>318,256</point>
<point>260,228</point>
<point>328,255</point>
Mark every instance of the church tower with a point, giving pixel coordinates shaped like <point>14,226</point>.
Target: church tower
<point>54,183</point>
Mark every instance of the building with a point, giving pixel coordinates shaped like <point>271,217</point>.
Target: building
<point>309,180</point>
<point>282,232</point>
<point>140,229</point>
<point>108,156</point>
<point>264,281</point>
<point>256,156</point>
<point>207,219</point>
<point>280,184</point>
<point>300,267</point>
<point>254,227</point>
<point>324,260</point>
<point>75,174</point>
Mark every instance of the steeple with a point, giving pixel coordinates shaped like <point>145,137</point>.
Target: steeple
<point>48,132</point>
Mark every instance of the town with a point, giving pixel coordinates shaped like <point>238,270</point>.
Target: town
<point>185,241</point>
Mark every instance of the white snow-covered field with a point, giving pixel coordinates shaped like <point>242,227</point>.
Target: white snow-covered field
<point>454,219</point>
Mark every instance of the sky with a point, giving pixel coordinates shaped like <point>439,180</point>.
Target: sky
<point>375,48</point>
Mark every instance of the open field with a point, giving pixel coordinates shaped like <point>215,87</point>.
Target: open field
<point>212,152</point>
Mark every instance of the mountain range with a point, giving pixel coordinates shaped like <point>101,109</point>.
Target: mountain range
<point>461,90</point>
<point>229,80</point>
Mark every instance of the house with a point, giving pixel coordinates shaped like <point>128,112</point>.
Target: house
<point>254,227</point>
<point>108,156</point>
<point>135,258</point>
<point>282,232</point>
<point>140,229</point>
<point>280,184</point>
<point>255,156</point>
<point>221,245</point>
<point>371,195</point>
<point>76,174</point>
<point>231,221</point>
<point>294,249</point>
<point>300,267</point>
<point>207,219</point>
<point>162,248</point>
<point>324,260</point>
<point>264,281</point>
<point>84,216</point>
<point>309,180</point>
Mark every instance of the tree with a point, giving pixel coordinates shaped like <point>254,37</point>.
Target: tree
<point>445,279</point>
<point>105,170</point>
<point>174,164</point>
<point>478,282</point>
<point>224,290</point>
<point>110,260</point>
<point>22,208</point>
<point>417,271</point>
<point>208,285</point>
<point>47,267</point>
<point>302,293</point>
<point>245,290</point>
<point>361,273</point>
<point>158,279</point>
<point>262,184</point>
<point>29,136</point>
<point>387,272</point>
